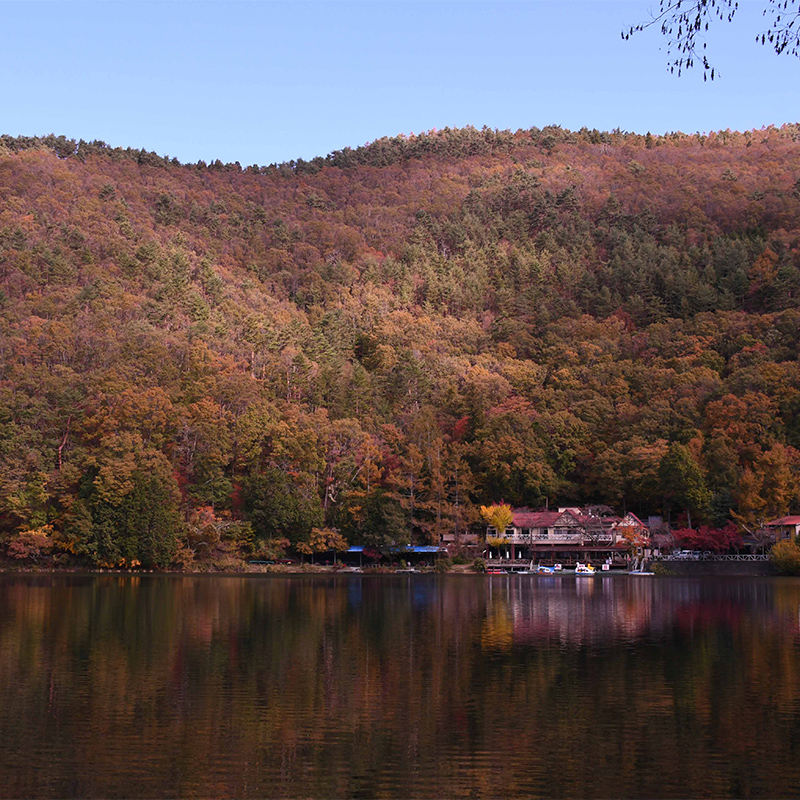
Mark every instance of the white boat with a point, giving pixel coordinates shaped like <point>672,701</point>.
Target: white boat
<point>640,572</point>
<point>542,570</point>
<point>584,569</point>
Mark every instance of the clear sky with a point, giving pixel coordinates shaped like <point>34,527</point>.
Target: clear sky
<point>261,82</point>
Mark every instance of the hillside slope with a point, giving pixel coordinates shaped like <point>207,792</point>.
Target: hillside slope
<point>380,340</point>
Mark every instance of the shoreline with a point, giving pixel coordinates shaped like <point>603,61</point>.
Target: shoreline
<point>681,570</point>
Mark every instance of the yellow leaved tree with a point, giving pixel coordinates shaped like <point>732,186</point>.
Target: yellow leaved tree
<point>323,540</point>
<point>498,516</point>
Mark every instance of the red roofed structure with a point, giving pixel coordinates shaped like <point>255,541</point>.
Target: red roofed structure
<point>566,536</point>
<point>785,527</point>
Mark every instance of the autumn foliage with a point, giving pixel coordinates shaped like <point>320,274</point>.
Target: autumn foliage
<point>380,341</point>
<point>707,538</point>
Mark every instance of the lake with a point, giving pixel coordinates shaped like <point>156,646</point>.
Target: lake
<point>398,686</point>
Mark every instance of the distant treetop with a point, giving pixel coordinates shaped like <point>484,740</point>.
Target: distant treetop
<point>447,143</point>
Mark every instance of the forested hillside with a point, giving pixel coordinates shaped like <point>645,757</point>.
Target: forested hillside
<point>201,358</point>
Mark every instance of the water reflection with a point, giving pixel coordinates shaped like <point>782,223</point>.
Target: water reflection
<point>411,686</point>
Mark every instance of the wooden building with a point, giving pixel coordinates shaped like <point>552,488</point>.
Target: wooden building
<point>566,536</point>
<point>784,528</point>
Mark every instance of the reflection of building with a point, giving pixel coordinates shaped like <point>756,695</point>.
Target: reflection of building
<point>553,610</point>
<point>784,528</point>
<point>568,535</point>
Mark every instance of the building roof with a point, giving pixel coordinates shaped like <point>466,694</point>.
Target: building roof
<point>629,519</point>
<point>525,518</point>
<point>792,520</point>
<point>400,549</point>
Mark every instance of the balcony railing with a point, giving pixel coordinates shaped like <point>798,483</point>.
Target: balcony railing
<point>558,536</point>
<point>551,537</point>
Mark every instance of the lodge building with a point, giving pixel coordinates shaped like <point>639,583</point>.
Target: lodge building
<point>566,536</point>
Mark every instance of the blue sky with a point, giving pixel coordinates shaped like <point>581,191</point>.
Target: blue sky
<point>261,82</point>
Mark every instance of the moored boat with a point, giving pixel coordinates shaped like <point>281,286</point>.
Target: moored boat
<point>584,569</point>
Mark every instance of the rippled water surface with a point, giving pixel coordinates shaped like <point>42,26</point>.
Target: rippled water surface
<point>399,686</point>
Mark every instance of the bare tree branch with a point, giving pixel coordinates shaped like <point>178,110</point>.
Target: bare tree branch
<point>685,23</point>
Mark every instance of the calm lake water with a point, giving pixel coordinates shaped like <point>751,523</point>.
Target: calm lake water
<point>399,686</point>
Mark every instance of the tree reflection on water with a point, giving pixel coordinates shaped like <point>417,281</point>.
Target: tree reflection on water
<point>398,686</point>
